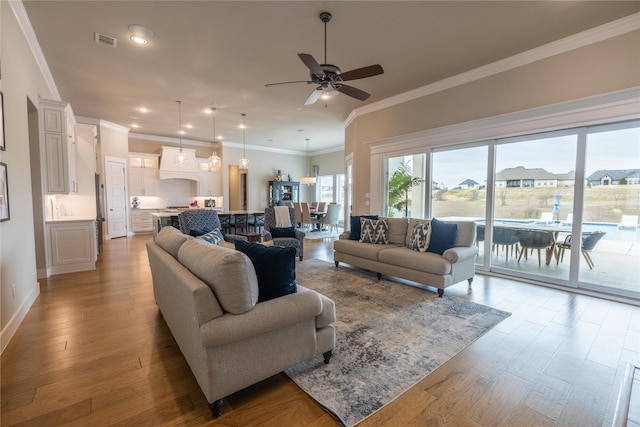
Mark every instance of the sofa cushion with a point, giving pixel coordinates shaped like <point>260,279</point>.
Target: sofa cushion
<point>361,250</point>
<point>282,231</point>
<point>214,237</point>
<point>421,261</point>
<point>275,267</point>
<point>443,236</point>
<point>374,231</point>
<point>397,230</point>
<point>170,239</point>
<point>420,237</point>
<point>229,273</point>
<point>356,227</point>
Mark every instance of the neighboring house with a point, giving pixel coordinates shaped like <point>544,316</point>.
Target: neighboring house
<point>566,179</point>
<point>469,183</point>
<point>521,177</point>
<point>614,177</point>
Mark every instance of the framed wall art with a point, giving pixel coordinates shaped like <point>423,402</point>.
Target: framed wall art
<point>2,140</point>
<point>4,193</point>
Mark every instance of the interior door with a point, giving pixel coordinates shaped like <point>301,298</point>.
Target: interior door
<point>116,197</point>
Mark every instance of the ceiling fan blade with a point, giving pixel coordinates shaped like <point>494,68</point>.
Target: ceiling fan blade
<point>361,73</point>
<point>352,91</point>
<point>312,64</point>
<point>315,95</point>
<point>286,83</point>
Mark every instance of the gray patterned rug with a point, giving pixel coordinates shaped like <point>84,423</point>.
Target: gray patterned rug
<point>389,336</point>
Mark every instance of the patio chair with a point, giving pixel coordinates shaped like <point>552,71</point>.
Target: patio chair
<point>589,241</point>
<point>569,220</point>
<point>508,238</point>
<point>534,239</point>
<point>545,218</point>
<point>628,221</point>
<point>297,241</point>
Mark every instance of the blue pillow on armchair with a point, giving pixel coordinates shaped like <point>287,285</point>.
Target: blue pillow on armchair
<point>282,231</point>
<point>443,236</point>
<point>356,227</point>
<point>275,268</point>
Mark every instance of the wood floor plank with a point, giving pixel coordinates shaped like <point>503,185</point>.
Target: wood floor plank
<point>94,350</point>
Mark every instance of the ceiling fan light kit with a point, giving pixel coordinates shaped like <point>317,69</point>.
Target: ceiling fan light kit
<point>329,77</point>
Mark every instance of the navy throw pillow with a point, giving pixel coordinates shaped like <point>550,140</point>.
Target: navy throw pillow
<point>282,231</point>
<point>195,232</point>
<point>443,236</point>
<point>356,227</point>
<point>275,267</point>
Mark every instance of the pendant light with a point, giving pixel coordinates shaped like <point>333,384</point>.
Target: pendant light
<point>244,162</point>
<point>308,180</point>
<point>215,162</point>
<point>180,158</point>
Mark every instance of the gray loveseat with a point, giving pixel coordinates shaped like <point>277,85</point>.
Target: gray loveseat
<point>208,297</point>
<point>395,259</point>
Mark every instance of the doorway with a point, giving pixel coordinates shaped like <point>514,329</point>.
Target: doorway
<point>116,197</point>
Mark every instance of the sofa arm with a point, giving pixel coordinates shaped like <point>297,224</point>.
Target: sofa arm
<point>299,234</point>
<point>233,237</point>
<point>460,253</point>
<point>344,235</point>
<point>265,317</point>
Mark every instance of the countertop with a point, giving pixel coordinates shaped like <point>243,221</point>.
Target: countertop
<point>70,219</point>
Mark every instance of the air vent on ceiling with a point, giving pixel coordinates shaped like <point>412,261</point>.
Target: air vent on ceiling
<point>105,40</point>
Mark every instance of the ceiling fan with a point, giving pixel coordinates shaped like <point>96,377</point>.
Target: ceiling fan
<point>329,77</point>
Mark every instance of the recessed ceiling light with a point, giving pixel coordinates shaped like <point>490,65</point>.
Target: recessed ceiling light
<point>188,126</point>
<point>139,34</point>
<point>143,110</point>
<point>136,126</point>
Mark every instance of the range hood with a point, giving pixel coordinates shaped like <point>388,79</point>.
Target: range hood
<point>170,170</point>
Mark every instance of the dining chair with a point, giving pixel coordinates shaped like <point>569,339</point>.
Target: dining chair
<point>321,206</point>
<point>332,217</point>
<point>534,239</point>
<point>297,206</point>
<point>589,241</point>
<point>307,221</point>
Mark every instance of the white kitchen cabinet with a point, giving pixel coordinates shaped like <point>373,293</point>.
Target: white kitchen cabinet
<point>207,179</point>
<point>72,245</point>
<point>59,148</point>
<point>143,174</point>
<point>142,220</point>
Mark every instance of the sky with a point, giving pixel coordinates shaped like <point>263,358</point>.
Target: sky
<point>612,149</point>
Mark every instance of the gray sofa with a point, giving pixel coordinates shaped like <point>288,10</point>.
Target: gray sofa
<point>395,259</point>
<point>208,297</point>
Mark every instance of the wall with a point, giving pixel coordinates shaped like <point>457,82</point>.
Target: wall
<point>21,80</point>
<point>603,67</point>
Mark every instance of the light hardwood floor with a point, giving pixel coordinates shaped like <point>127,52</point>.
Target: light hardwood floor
<point>95,351</point>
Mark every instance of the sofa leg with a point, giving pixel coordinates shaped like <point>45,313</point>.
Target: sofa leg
<point>470,280</point>
<point>337,262</point>
<point>379,276</point>
<point>216,408</point>
<point>300,257</point>
<point>327,356</point>
<point>440,293</point>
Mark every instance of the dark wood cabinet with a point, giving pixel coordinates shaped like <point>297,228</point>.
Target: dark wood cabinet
<point>283,191</point>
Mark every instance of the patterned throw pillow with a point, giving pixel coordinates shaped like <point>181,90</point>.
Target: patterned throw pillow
<point>420,237</point>
<point>214,237</point>
<point>374,231</point>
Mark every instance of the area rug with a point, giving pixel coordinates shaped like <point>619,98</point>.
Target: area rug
<point>389,336</point>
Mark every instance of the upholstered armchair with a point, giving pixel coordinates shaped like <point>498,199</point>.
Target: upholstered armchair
<point>205,220</point>
<point>296,241</point>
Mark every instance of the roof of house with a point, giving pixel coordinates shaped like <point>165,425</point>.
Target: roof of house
<point>615,174</point>
<point>469,181</point>
<point>520,172</point>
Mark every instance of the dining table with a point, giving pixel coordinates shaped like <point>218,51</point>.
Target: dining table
<point>553,228</point>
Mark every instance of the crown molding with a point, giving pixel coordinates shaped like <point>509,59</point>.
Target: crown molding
<point>585,38</point>
<point>101,123</point>
<point>27,30</point>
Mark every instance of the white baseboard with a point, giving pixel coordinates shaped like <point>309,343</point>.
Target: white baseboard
<point>12,326</point>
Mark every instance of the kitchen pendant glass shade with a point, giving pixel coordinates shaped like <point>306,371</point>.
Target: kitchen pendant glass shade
<point>308,180</point>
<point>243,163</point>
<point>215,162</point>
<point>180,158</point>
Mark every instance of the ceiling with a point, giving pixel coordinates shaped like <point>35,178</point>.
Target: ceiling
<point>222,53</point>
